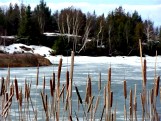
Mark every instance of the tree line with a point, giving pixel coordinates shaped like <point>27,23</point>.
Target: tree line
<point>116,33</point>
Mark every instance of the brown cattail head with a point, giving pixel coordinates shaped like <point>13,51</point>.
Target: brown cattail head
<point>51,88</point>
<point>157,86</point>
<point>44,83</point>
<point>79,97</point>
<point>109,80</point>
<point>59,73</point>
<point>53,82</point>
<point>144,73</point>
<point>151,96</point>
<point>59,68</point>
<point>67,80</point>
<point>2,87</point>
<point>125,90</point>
<point>130,103</point>
<point>20,98</point>
<point>111,99</point>
<point>89,87</point>
<point>16,88</point>
<point>109,74</point>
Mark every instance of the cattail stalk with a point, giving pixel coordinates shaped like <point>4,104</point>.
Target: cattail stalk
<point>44,84</point>
<point>89,107</point>
<point>135,104</point>
<point>71,73</point>
<point>99,82</point>
<point>58,85</point>
<point>131,105</point>
<point>37,75</point>
<point>160,94</point>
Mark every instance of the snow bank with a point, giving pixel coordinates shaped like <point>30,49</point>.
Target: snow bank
<point>22,48</point>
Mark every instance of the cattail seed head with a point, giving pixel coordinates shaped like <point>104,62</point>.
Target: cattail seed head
<point>16,88</point>
<point>125,90</point>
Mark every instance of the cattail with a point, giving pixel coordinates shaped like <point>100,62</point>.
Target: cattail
<point>135,99</point>
<point>144,73</point>
<point>16,88</point>
<point>59,68</point>
<point>157,86</point>
<point>2,87</point>
<point>87,91</point>
<point>37,75</point>
<point>125,91</point>
<point>71,73</point>
<point>53,81</point>
<point>142,102</point>
<point>44,104</point>
<point>6,96</point>
<point>59,73</point>
<point>11,89</point>
<point>20,98</point>
<point>152,96</point>
<point>51,88</point>
<point>109,74</point>
<point>44,83</point>
<point>89,87</point>
<point>111,99</point>
<point>79,97</point>
<point>67,80</point>
<point>105,96</point>
<point>131,104</point>
<point>99,82</point>
<point>109,80</point>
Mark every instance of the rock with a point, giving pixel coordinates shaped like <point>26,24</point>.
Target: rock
<point>23,60</point>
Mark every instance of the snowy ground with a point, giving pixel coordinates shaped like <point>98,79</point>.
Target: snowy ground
<point>22,48</point>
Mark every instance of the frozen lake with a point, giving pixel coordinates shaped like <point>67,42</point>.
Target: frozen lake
<point>123,68</point>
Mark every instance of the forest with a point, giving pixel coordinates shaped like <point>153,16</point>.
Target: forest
<point>116,33</point>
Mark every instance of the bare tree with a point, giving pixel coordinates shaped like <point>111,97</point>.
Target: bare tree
<point>148,30</point>
<point>86,33</point>
<point>70,22</point>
